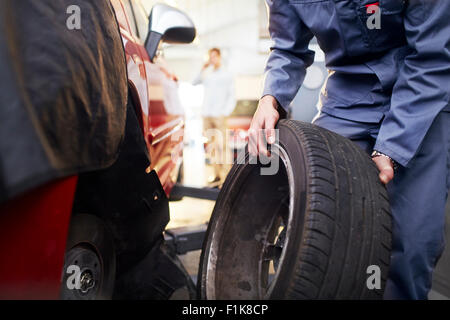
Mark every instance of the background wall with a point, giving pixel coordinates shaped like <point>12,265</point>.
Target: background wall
<point>234,27</point>
<point>239,29</point>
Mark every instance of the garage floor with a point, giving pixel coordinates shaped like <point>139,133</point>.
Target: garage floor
<point>190,212</point>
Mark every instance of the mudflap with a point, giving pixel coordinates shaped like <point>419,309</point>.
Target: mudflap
<point>159,276</point>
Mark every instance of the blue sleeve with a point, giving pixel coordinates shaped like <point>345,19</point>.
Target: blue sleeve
<point>422,88</point>
<point>290,56</point>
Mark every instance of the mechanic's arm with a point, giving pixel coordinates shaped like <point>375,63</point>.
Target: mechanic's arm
<point>422,88</point>
<point>285,71</point>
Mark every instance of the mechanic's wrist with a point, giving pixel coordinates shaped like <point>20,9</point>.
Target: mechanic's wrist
<point>271,100</point>
<point>377,153</point>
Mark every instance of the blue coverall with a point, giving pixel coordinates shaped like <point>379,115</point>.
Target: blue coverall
<point>387,90</point>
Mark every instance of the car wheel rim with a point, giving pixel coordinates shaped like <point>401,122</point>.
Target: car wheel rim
<point>273,253</point>
<point>263,257</point>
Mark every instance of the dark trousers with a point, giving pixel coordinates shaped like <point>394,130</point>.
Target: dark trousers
<point>418,196</point>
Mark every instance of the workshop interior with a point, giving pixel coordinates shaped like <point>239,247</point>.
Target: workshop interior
<point>224,150</point>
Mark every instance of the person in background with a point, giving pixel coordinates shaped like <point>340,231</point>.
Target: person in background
<point>219,102</point>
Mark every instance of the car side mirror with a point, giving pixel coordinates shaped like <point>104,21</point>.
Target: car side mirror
<point>170,25</point>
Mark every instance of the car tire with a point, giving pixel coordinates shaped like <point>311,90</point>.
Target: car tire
<point>318,229</point>
<point>90,249</point>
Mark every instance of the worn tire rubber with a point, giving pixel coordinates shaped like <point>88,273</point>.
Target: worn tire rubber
<point>341,224</point>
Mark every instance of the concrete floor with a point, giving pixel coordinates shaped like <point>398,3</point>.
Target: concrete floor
<point>437,296</point>
<point>190,212</point>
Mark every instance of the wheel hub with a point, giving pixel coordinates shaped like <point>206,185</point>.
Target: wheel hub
<point>84,285</point>
<point>87,281</point>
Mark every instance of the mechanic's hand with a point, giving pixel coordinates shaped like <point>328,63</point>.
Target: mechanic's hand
<point>386,168</point>
<point>266,117</point>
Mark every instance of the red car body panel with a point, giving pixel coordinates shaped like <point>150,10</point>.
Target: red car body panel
<point>149,87</point>
<point>34,226</point>
<point>33,241</point>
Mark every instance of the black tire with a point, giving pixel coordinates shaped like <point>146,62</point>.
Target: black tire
<point>89,247</point>
<point>319,242</point>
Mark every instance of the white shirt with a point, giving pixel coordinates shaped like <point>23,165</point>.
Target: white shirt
<point>219,99</point>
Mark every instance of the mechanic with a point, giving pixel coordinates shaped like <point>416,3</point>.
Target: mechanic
<point>388,91</point>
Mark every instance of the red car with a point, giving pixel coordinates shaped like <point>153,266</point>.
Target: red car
<point>96,232</point>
